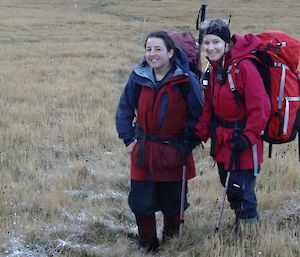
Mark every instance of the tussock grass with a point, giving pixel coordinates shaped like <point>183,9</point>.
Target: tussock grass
<point>65,174</point>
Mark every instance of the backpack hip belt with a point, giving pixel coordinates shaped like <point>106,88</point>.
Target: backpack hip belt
<point>217,122</point>
<point>240,124</point>
<point>143,137</point>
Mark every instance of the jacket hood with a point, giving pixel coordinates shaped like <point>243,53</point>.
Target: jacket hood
<point>181,60</point>
<point>243,45</point>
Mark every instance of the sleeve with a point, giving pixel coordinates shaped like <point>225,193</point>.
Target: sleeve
<point>195,101</point>
<point>257,102</point>
<point>125,113</point>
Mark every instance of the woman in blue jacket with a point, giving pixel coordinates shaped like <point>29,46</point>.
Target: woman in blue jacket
<point>160,101</point>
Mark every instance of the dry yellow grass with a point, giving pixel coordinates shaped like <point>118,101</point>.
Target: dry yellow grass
<point>64,173</point>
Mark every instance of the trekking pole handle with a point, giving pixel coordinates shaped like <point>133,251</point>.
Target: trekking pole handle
<point>200,18</point>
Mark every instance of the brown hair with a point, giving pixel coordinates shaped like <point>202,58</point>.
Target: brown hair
<point>168,41</point>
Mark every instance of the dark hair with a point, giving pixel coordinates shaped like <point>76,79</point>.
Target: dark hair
<point>168,41</point>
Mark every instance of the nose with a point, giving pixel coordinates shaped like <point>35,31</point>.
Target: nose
<point>152,52</point>
<point>209,46</point>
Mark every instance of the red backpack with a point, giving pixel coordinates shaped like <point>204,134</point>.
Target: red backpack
<point>188,43</point>
<point>277,59</point>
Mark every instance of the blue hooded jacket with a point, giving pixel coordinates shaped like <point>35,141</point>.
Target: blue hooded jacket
<point>142,75</point>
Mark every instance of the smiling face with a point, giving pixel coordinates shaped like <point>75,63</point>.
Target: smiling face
<point>158,56</point>
<point>213,46</point>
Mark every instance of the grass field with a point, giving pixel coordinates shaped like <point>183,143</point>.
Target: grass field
<point>64,172</point>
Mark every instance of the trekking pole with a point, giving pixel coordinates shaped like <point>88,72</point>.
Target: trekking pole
<point>236,131</point>
<point>183,184</point>
<point>200,18</point>
<point>299,144</point>
<point>219,217</point>
<point>182,200</point>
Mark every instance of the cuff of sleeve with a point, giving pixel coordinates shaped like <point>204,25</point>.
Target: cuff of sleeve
<point>128,141</point>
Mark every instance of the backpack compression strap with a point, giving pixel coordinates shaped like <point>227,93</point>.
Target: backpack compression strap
<point>232,70</point>
<point>231,74</point>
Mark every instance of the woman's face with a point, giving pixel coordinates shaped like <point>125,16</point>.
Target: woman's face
<point>214,47</point>
<point>157,55</point>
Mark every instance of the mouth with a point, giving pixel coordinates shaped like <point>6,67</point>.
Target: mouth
<point>212,55</point>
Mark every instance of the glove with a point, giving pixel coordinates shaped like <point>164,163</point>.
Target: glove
<point>240,142</point>
<point>190,140</point>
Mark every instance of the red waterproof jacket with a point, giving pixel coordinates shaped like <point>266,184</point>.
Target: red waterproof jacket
<point>255,108</point>
<point>162,161</point>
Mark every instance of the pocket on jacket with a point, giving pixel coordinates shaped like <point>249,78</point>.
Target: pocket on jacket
<point>140,157</point>
<point>166,157</point>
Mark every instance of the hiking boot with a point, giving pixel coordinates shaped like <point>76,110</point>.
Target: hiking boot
<point>147,239</point>
<point>171,227</point>
<point>148,245</point>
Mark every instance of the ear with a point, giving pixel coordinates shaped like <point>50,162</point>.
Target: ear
<point>171,53</point>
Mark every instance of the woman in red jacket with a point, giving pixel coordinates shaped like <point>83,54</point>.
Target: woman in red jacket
<point>160,100</point>
<point>234,120</point>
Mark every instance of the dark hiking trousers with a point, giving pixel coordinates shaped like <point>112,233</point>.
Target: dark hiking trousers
<point>241,192</point>
<point>147,197</point>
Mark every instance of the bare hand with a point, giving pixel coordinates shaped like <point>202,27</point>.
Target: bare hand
<point>130,147</point>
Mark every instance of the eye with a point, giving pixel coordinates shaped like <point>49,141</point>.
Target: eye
<point>217,41</point>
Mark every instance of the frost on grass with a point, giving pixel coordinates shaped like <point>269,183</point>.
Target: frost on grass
<point>19,248</point>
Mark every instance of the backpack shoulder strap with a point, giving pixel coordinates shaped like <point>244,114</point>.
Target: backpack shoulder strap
<point>233,70</point>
